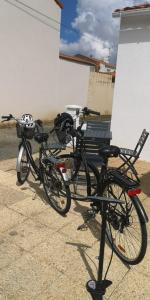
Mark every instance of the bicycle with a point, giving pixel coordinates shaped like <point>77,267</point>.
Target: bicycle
<point>82,172</point>
<point>50,171</point>
<point>127,221</point>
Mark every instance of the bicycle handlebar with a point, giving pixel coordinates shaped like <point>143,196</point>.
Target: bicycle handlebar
<point>86,111</point>
<point>8,118</point>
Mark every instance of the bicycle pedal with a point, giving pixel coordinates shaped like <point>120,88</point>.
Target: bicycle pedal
<point>89,215</point>
<point>82,227</point>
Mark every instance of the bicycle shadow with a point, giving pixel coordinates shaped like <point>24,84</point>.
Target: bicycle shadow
<point>82,250</point>
<point>94,226</point>
<point>36,189</point>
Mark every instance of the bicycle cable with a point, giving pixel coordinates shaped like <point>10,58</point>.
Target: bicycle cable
<point>112,244</point>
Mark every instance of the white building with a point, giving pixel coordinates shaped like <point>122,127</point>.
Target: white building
<point>29,56</point>
<point>131,105</point>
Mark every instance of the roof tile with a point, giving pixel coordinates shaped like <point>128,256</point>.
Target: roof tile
<point>135,7</point>
<point>59,3</point>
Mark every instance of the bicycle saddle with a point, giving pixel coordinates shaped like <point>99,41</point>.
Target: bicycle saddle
<point>109,151</point>
<point>41,137</point>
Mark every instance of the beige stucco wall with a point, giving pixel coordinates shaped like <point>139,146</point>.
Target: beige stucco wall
<point>29,57</point>
<point>73,83</point>
<point>100,94</point>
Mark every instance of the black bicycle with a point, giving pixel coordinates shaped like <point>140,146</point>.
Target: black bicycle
<point>82,173</point>
<point>50,171</point>
<point>127,222</point>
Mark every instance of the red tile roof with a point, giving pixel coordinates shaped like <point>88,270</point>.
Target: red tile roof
<point>59,3</point>
<point>135,7</point>
<point>79,58</point>
<point>76,59</point>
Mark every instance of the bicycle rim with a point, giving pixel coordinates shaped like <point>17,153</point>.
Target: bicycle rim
<point>129,234</point>
<point>57,191</point>
<point>24,166</point>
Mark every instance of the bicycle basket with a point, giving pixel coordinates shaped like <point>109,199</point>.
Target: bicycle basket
<point>28,133</point>
<point>62,124</point>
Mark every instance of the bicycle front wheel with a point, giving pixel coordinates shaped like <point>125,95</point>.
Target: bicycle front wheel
<point>126,233</point>
<point>23,164</point>
<point>56,189</point>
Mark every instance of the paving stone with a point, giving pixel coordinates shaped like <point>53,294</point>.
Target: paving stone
<point>9,218</point>
<point>26,278</point>
<point>8,195</point>
<point>89,236</point>
<point>54,220</point>
<point>28,234</point>
<point>8,252</point>
<point>29,207</point>
<point>133,286</point>
<point>65,289</point>
<point>66,255</point>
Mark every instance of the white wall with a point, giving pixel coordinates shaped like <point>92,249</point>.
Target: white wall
<point>29,57</point>
<point>73,83</point>
<point>131,105</point>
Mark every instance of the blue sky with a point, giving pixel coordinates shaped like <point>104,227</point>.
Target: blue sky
<point>68,15</point>
<point>88,27</point>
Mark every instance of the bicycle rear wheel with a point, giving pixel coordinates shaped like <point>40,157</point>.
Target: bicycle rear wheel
<point>126,233</point>
<point>23,164</point>
<point>56,189</point>
<point>80,184</point>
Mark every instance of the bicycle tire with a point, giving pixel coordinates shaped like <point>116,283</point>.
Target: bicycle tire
<point>118,239</point>
<point>56,189</point>
<point>76,174</point>
<point>24,171</point>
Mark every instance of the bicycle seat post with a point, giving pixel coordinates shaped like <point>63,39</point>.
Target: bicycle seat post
<point>97,289</point>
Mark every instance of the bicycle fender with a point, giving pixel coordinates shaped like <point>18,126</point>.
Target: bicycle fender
<point>64,174</point>
<point>128,184</point>
<point>141,210</point>
<point>21,149</point>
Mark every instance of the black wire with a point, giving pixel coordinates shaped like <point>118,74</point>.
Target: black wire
<point>112,246</point>
<point>31,15</point>
<point>52,19</point>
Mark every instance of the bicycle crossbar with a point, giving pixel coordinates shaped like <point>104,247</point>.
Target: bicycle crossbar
<point>97,199</point>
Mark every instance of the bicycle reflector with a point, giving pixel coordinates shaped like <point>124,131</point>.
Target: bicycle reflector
<point>134,192</point>
<point>61,166</point>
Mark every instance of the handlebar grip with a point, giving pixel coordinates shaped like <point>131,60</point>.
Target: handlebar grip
<point>4,117</point>
<point>88,111</point>
<point>9,117</point>
<point>93,112</point>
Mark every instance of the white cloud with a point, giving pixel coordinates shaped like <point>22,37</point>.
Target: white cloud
<point>88,45</point>
<point>98,30</point>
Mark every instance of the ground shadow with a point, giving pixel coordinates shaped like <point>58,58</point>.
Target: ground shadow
<point>35,186</point>
<point>82,250</point>
<point>94,226</point>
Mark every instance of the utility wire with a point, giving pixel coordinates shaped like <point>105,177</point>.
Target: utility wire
<point>52,19</point>
<point>31,15</point>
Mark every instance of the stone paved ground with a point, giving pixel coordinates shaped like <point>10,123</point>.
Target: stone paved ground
<point>43,256</point>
